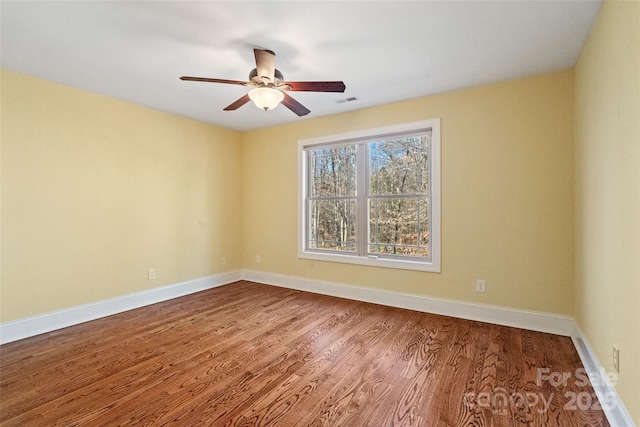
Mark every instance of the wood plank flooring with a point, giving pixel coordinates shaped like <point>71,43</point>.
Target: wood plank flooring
<point>247,354</point>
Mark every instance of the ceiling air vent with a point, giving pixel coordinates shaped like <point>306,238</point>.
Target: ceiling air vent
<point>350,99</point>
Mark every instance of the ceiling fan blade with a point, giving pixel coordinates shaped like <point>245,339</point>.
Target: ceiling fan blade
<point>238,103</point>
<point>294,105</point>
<point>317,86</point>
<point>206,79</point>
<point>265,63</point>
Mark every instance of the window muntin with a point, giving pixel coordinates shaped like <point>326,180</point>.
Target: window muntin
<point>372,197</point>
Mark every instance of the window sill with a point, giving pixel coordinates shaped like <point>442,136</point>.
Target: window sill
<point>403,264</point>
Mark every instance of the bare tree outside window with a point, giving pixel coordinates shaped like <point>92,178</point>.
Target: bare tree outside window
<point>398,196</point>
<point>333,204</point>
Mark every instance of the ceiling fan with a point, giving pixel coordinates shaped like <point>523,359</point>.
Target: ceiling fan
<point>269,86</point>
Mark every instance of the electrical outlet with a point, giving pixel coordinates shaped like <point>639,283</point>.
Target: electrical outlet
<point>616,359</point>
<point>152,274</point>
<point>258,260</point>
<point>481,285</point>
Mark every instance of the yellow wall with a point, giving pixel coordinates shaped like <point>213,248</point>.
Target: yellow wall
<point>96,191</point>
<point>507,195</point>
<point>607,113</point>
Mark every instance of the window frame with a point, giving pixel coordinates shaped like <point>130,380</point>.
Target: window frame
<point>370,135</point>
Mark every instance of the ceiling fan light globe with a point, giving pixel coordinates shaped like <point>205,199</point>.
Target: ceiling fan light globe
<point>266,98</point>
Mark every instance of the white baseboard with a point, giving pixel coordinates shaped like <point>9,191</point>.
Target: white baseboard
<point>31,326</point>
<point>614,409</point>
<point>538,321</point>
<point>533,320</point>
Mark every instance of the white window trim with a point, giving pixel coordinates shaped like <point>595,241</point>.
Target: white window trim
<point>434,264</point>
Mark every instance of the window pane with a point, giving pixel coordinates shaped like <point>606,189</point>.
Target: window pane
<point>399,226</point>
<point>400,166</point>
<point>332,224</point>
<point>333,171</point>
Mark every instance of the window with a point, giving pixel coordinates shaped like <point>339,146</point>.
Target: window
<point>372,197</point>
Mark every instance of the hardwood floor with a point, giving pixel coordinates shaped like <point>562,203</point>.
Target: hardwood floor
<point>247,354</point>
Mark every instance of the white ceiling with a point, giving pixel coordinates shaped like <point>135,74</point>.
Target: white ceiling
<point>383,51</point>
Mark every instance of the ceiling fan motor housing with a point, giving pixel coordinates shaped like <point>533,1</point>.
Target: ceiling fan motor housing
<point>253,77</point>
